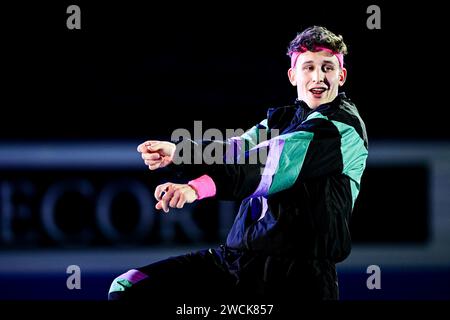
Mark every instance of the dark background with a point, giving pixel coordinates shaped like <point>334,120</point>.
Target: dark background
<point>385,213</point>
<point>137,71</point>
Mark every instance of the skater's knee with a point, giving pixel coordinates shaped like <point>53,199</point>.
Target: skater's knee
<point>123,284</point>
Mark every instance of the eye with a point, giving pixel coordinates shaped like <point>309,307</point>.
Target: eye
<point>328,67</point>
<point>308,68</point>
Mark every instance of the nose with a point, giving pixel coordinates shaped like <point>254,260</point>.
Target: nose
<point>318,75</point>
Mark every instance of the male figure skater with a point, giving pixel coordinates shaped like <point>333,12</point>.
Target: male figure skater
<point>292,224</point>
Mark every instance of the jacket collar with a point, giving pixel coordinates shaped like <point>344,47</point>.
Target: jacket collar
<point>336,102</point>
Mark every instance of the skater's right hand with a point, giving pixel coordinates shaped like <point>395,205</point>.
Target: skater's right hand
<point>157,154</point>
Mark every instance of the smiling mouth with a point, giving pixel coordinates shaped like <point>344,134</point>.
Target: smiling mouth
<point>317,91</point>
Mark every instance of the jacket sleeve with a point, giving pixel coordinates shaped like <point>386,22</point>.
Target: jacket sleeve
<point>252,168</point>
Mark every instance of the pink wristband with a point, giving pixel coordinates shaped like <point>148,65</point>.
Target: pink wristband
<point>204,186</point>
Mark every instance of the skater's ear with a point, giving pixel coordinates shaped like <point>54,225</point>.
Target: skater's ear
<point>292,76</point>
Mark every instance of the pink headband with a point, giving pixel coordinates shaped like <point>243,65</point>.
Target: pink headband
<point>296,54</point>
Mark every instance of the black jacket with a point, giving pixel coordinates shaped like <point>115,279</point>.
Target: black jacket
<point>298,200</point>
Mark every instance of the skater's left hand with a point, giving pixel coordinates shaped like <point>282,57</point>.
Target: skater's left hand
<point>175,196</point>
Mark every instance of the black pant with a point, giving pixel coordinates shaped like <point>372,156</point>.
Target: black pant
<point>221,273</point>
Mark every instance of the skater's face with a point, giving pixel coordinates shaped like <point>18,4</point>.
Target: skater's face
<point>317,76</point>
